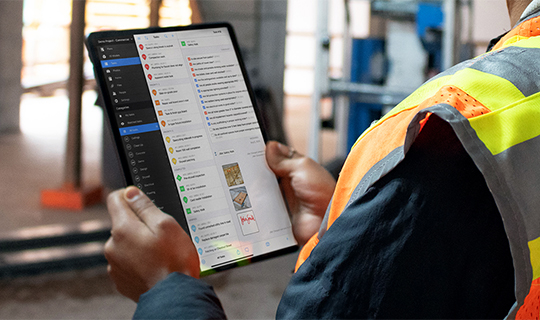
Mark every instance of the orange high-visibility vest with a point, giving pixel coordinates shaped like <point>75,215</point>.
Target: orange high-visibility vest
<point>492,103</point>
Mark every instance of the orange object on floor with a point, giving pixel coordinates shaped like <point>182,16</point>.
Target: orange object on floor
<point>71,198</point>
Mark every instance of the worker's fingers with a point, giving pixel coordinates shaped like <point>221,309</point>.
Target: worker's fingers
<point>281,158</point>
<point>144,208</point>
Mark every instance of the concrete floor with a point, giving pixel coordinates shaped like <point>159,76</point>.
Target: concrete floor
<point>33,161</point>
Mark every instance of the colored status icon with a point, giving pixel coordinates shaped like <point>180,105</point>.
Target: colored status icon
<point>163,123</point>
<point>188,211</point>
<point>168,139</point>
<point>194,228</point>
<point>200,251</point>
<point>179,178</point>
<point>171,150</point>
<point>159,112</point>
<point>141,46</point>
<point>174,160</point>
<point>157,102</point>
<point>185,199</point>
<point>147,66</point>
<point>183,43</point>
<point>197,239</point>
<point>154,91</point>
<point>150,76</point>
<point>182,188</point>
<point>189,59</point>
<point>144,56</point>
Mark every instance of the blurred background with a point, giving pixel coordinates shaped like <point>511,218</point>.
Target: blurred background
<point>322,71</point>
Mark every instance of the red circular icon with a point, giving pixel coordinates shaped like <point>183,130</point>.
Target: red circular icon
<point>141,46</point>
<point>147,66</point>
<point>150,76</point>
<point>144,56</point>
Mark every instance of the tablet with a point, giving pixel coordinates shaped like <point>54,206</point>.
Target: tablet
<point>189,135</point>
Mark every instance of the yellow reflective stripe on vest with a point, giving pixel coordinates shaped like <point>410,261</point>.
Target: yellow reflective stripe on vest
<point>532,42</point>
<point>506,127</point>
<point>534,247</point>
<point>498,94</point>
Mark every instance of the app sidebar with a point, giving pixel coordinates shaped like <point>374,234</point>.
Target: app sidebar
<point>139,129</point>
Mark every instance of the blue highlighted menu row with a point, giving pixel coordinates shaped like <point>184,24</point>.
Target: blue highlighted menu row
<point>139,129</point>
<point>120,62</point>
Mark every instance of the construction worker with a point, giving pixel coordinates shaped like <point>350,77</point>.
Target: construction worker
<point>435,213</point>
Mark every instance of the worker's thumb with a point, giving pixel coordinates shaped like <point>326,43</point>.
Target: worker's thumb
<point>280,158</point>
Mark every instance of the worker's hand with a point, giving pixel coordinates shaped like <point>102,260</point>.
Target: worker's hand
<point>145,244</point>
<point>307,186</point>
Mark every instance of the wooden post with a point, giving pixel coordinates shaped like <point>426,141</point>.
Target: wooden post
<point>154,12</point>
<point>72,173</point>
<point>71,195</point>
<point>196,16</point>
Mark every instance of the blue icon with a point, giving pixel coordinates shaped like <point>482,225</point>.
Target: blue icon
<point>197,85</point>
<point>203,261</point>
<point>198,90</point>
<point>197,239</point>
<point>207,118</point>
<point>202,101</point>
<point>208,123</point>
<point>200,96</point>
<point>195,80</point>
<point>203,107</point>
<point>268,244</point>
<point>194,228</point>
<point>200,251</point>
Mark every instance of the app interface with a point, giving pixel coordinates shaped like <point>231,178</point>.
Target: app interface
<point>193,142</point>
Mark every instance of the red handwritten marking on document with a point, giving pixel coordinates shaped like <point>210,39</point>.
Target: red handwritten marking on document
<point>247,218</point>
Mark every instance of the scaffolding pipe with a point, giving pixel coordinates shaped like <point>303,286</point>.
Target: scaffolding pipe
<point>321,85</point>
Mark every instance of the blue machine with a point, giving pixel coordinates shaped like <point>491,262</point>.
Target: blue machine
<point>368,66</point>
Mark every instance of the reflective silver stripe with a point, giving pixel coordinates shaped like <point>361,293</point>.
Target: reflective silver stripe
<point>324,223</point>
<point>520,167</point>
<point>515,65</point>
<point>376,172</point>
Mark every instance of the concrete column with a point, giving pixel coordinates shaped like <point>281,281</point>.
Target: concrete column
<point>11,24</point>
